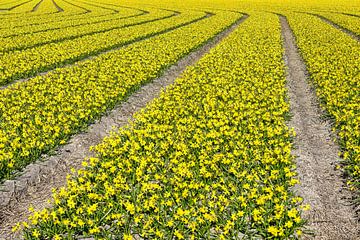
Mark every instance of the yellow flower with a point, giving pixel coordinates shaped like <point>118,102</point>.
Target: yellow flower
<point>170,223</point>
<point>128,237</point>
<point>178,234</point>
<point>289,224</point>
<point>57,237</point>
<point>273,230</point>
<point>35,233</point>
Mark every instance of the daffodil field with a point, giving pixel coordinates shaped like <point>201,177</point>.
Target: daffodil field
<point>211,157</point>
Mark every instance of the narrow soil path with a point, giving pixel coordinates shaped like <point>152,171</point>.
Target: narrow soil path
<point>331,216</point>
<point>37,6</point>
<point>57,6</point>
<point>345,30</point>
<point>35,184</point>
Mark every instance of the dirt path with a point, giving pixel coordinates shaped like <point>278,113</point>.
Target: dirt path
<point>331,216</point>
<point>57,6</point>
<point>34,186</point>
<point>37,6</point>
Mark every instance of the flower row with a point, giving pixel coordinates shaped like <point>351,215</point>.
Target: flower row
<point>209,159</point>
<point>29,62</point>
<point>41,113</point>
<point>24,41</point>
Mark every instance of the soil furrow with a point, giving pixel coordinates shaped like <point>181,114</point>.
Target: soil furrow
<point>37,6</point>
<point>35,185</point>
<point>331,215</point>
<point>57,6</point>
<point>345,30</point>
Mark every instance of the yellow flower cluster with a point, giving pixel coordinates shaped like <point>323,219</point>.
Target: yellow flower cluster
<point>71,13</point>
<point>24,41</point>
<point>333,61</point>
<point>19,8</point>
<point>42,33</point>
<point>28,62</point>
<point>46,7</point>
<point>5,5</point>
<point>43,112</point>
<point>208,159</point>
<point>349,22</point>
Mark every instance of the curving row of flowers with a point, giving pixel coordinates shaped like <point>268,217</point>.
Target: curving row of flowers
<point>25,41</point>
<point>43,112</point>
<point>209,159</point>
<point>349,22</point>
<point>22,15</point>
<point>49,25</point>
<point>29,62</point>
<point>46,7</point>
<point>18,8</point>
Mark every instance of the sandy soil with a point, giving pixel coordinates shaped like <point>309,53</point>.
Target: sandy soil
<point>331,215</point>
<point>35,185</point>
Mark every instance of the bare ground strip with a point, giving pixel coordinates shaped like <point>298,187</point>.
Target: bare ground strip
<point>37,6</point>
<point>57,6</point>
<point>35,185</point>
<point>331,215</point>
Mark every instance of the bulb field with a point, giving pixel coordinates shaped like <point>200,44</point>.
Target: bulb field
<point>233,146</point>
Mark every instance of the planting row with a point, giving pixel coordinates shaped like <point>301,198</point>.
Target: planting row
<point>46,7</point>
<point>24,41</point>
<point>209,159</point>
<point>43,112</point>
<point>72,10</point>
<point>30,62</point>
<point>13,7</point>
<point>351,23</point>
<point>64,22</point>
